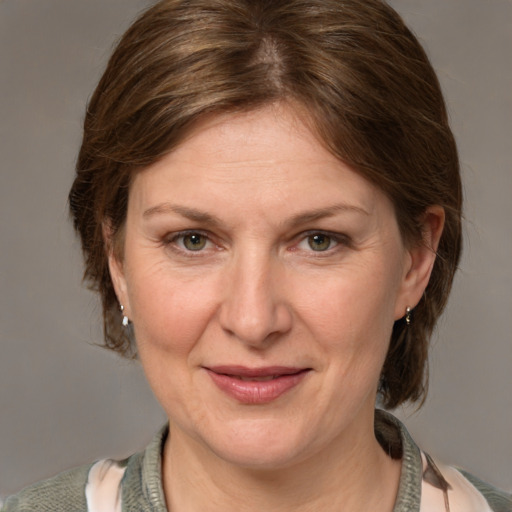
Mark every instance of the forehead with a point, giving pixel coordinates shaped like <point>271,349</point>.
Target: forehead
<point>269,154</point>
<point>274,132</point>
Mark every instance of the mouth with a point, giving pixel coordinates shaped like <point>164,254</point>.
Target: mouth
<point>256,385</point>
<point>256,379</point>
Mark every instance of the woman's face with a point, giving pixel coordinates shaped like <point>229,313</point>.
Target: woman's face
<point>262,277</point>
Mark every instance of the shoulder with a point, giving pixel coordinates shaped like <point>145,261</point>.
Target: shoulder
<point>498,500</point>
<point>134,484</point>
<point>62,493</point>
<point>91,487</point>
<point>427,485</point>
<point>458,490</point>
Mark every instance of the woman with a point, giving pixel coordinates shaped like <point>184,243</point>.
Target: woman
<point>269,201</point>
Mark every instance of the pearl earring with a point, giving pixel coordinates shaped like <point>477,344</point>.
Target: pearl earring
<point>126,320</point>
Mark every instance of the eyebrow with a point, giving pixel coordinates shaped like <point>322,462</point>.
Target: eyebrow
<point>184,211</point>
<point>207,218</point>
<point>322,213</point>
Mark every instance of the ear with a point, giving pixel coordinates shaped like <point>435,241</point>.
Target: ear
<point>419,260</point>
<point>113,248</point>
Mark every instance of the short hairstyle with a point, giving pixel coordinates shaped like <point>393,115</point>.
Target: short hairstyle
<point>352,67</point>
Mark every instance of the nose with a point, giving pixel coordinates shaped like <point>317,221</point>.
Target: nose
<point>254,309</point>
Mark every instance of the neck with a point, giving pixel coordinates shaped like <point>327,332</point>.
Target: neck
<point>348,476</point>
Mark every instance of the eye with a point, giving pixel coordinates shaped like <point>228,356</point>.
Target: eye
<point>194,241</point>
<point>320,242</point>
<point>191,241</point>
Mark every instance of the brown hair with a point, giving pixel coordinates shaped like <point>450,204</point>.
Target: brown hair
<point>353,67</point>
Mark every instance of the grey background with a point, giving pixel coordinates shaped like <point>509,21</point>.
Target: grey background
<point>65,402</point>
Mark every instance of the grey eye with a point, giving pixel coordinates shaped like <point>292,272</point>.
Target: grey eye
<point>194,241</point>
<point>319,242</point>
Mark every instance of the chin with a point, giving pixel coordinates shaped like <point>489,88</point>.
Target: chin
<point>261,445</point>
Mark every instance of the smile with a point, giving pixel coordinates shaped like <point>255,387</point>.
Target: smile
<point>254,386</point>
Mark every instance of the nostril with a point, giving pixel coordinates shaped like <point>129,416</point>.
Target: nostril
<point>252,309</point>
<point>256,326</point>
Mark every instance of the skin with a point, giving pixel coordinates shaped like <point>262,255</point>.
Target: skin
<point>251,190</point>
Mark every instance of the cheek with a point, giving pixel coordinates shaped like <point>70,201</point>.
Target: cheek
<point>169,318</point>
<point>351,317</point>
<point>351,302</point>
<point>169,312</point>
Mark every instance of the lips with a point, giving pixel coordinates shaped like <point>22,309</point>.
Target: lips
<point>256,385</point>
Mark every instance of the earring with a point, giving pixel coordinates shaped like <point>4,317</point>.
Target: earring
<point>408,315</point>
<point>126,320</point>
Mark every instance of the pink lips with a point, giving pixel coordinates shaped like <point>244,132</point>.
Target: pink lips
<point>256,385</point>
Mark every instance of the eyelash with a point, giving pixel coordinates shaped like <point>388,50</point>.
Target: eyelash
<point>339,241</point>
